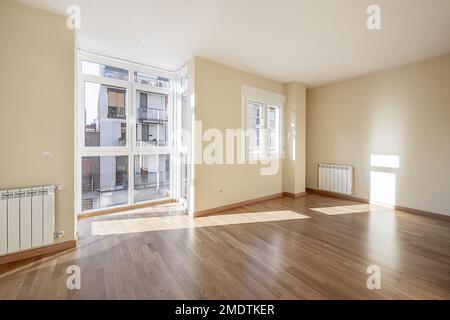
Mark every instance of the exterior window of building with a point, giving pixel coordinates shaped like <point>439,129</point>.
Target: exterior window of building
<point>115,167</point>
<point>101,70</point>
<point>105,115</point>
<point>152,119</point>
<point>116,104</point>
<point>148,79</point>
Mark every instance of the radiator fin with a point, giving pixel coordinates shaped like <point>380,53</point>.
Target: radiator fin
<point>27,218</point>
<point>336,178</point>
<point>3,225</point>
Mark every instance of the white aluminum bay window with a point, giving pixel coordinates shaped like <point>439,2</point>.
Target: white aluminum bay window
<point>124,123</point>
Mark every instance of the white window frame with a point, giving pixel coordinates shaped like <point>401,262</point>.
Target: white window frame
<point>267,99</point>
<point>130,149</point>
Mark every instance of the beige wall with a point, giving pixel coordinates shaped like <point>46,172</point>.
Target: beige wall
<point>36,104</point>
<point>218,105</point>
<point>404,111</point>
<point>294,163</point>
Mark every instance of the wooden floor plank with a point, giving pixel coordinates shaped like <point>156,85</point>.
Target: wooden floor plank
<point>322,256</point>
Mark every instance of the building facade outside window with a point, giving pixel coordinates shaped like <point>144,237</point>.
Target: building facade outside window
<point>123,152</point>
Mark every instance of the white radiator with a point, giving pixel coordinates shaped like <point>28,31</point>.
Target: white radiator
<point>27,218</point>
<point>336,178</point>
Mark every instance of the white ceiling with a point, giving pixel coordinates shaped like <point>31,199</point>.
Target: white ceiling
<point>311,41</point>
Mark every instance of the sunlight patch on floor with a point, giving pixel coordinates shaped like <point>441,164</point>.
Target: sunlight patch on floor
<point>171,207</point>
<point>359,208</point>
<point>109,227</point>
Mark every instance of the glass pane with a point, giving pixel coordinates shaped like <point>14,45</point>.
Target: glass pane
<point>186,121</point>
<point>148,79</point>
<point>164,174</point>
<point>152,119</point>
<point>184,188</point>
<point>104,182</point>
<point>254,126</point>
<point>185,142</point>
<point>102,70</point>
<point>151,177</point>
<point>105,115</point>
<point>273,136</point>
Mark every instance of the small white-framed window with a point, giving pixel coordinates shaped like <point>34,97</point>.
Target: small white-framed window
<point>262,119</point>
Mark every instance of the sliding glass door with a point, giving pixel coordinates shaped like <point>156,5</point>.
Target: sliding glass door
<point>124,134</point>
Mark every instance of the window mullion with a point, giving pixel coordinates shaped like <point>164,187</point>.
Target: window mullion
<point>130,139</point>
<point>266,126</point>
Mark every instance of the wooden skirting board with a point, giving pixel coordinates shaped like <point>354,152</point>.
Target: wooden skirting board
<point>336,195</point>
<point>235,205</point>
<point>434,215</point>
<point>294,195</point>
<point>123,208</point>
<point>57,247</point>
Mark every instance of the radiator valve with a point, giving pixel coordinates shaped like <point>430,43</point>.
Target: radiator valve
<point>59,234</point>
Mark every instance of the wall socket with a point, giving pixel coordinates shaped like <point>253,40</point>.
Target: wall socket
<point>46,154</point>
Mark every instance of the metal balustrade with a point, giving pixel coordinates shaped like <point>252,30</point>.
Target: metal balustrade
<point>152,115</point>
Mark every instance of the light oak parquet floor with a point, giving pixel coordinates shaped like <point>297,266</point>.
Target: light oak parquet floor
<point>321,256</point>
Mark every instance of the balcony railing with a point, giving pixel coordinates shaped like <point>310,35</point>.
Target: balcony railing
<point>116,112</point>
<point>149,180</point>
<point>164,177</point>
<point>151,80</point>
<point>152,115</point>
<point>92,139</point>
<point>152,142</point>
<point>145,180</point>
<point>91,182</point>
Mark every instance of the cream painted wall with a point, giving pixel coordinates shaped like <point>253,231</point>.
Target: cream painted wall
<point>404,111</point>
<point>218,105</point>
<point>36,104</point>
<point>294,163</point>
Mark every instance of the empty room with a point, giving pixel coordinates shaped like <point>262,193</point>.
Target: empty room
<point>225,150</point>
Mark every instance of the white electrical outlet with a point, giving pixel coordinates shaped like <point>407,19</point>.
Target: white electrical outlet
<point>46,154</point>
